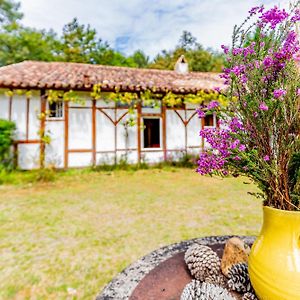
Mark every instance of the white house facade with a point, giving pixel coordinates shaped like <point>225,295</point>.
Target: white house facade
<point>95,131</point>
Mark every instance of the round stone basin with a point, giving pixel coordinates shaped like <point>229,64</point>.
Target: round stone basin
<point>162,274</point>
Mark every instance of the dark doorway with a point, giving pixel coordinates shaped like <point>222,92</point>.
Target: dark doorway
<point>151,133</point>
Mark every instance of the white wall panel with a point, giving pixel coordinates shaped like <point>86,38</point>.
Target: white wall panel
<point>102,103</point>
<point>33,121</point>
<point>132,156</point>
<point>19,106</point>
<point>105,158</point>
<point>4,106</point>
<point>105,132</point>
<point>80,159</point>
<point>80,129</point>
<point>175,131</point>
<point>54,154</point>
<point>193,129</point>
<point>131,138</point>
<point>28,156</point>
<point>152,157</point>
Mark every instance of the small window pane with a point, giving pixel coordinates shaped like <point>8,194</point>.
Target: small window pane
<point>209,120</point>
<point>151,133</point>
<point>56,109</point>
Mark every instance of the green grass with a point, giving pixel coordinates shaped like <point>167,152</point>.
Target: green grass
<point>82,229</point>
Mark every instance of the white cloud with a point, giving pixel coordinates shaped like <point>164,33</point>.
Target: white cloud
<point>150,25</point>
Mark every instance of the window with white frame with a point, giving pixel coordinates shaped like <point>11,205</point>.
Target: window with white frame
<point>56,109</point>
<point>152,133</point>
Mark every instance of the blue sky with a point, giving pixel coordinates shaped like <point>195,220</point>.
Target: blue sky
<point>150,25</point>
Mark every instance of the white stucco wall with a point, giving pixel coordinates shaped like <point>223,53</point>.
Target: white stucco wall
<point>152,157</point>
<point>18,115</point>
<point>4,105</point>
<point>193,129</point>
<point>80,159</point>
<point>80,133</point>
<point>105,131</point>
<point>175,130</point>
<point>80,128</point>
<point>34,111</point>
<point>28,156</point>
<point>54,152</point>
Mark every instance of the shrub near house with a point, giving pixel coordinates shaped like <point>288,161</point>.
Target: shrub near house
<point>7,129</point>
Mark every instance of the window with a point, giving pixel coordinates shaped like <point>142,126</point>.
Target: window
<point>56,109</point>
<point>151,133</point>
<point>209,120</point>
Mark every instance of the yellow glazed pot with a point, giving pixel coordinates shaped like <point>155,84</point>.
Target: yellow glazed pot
<point>274,262</point>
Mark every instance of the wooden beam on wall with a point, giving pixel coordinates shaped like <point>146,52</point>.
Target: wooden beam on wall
<point>66,113</point>
<point>94,132</point>
<point>42,128</point>
<point>164,130</point>
<point>10,107</point>
<point>139,110</point>
<point>27,116</point>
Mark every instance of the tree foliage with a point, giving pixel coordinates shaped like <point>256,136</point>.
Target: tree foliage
<point>7,129</point>
<point>199,59</point>
<point>81,43</point>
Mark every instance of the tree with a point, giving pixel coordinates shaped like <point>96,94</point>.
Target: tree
<point>81,44</point>
<point>23,43</point>
<point>9,12</point>
<point>199,59</point>
<point>140,59</point>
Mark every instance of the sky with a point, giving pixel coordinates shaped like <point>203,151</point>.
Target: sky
<point>149,25</point>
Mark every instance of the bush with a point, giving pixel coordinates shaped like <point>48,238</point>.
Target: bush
<point>7,131</point>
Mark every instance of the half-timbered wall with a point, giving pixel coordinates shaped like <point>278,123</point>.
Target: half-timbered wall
<point>93,132</point>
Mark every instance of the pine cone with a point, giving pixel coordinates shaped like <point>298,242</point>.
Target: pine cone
<point>249,296</point>
<point>239,278</point>
<point>217,279</point>
<point>202,261</point>
<point>196,290</point>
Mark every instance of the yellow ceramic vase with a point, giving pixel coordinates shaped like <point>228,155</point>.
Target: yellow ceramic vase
<point>274,262</point>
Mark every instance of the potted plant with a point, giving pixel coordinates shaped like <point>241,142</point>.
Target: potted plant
<point>258,136</point>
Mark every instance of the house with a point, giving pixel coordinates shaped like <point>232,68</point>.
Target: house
<point>97,130</point>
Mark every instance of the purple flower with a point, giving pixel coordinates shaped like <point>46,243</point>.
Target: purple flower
<point>255,114</point>
<point>225,49</point>
<point>279,93</point>
<point>242,147</point>
<point>236,157</point>
<point>201,113</point>
<point>217,89</point>
<point>298,92</point>
<point>212,105</point>
<point>263,106</point>
<point>266,158</point>
<point>273,17</point>
<point>256,9</point>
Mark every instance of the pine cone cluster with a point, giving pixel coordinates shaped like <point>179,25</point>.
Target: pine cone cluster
<point>239,280</point>
<point>218,279</point>
<point>202,261</point>
<point>196,290</point>
<point>249,296</point>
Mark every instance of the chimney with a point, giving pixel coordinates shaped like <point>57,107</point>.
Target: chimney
<point>182,66</point>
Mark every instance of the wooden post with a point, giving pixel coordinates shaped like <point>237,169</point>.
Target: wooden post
<point>139,111</point>
<point>66,113</point>
<point>27,117</point>
<point>94,132</point>
<point>10,108</point>
<point>42,128</point>
<point>164,130</point>
<point>202,139</point>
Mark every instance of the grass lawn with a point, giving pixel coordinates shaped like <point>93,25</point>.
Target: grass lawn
<point>81,230</point>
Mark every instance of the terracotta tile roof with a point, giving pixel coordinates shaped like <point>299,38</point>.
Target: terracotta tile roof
<point>76,76</point>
